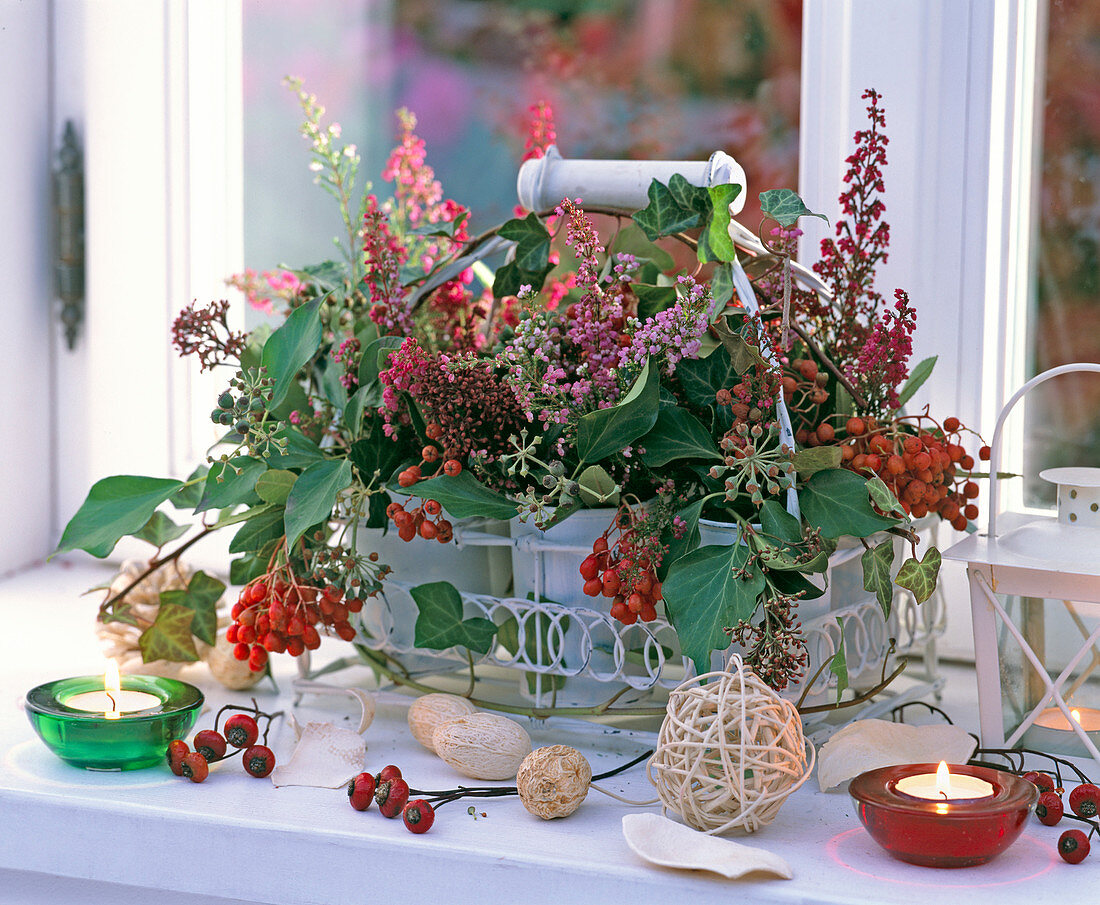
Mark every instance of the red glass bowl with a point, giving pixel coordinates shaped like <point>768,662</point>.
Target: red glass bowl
<point>960,833</point>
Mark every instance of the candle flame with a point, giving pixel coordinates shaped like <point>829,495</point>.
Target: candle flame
<point>1076,714</point>
<point>943,780</point>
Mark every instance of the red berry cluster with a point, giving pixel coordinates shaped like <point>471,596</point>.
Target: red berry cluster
<point>391,792</point>
<point>425,520</point>
<point>278,613</point>
<point>627,573</point>
<point>1084,801</point>
<point>922,462</point>
<point>241,731</point>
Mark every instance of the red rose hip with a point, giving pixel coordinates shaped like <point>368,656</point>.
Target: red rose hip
<point>259,761</point>
<point>418,815</point>
<point>392,795</point>
<point>1049,809</point>
<point>1084,801</point>
<point>1073,846</point>
<point>361,791</point>
<point>241,730</point>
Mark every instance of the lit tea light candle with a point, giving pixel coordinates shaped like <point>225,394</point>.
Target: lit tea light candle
<point>1052,718</point>
<point>944,786</point>
<point>113,702</point>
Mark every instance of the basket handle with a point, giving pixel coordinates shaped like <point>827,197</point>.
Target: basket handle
<point>995,445</point>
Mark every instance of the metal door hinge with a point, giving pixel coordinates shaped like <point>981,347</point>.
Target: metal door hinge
<point>69,209</point>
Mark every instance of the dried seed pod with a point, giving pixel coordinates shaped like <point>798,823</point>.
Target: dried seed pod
<point>553,781</point>
<point>429,712</point>
<point>482,745</point>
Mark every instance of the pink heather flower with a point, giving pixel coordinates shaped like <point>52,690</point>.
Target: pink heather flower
<point>883,362</point>
<point>540,130</point>
<point>672,334</point>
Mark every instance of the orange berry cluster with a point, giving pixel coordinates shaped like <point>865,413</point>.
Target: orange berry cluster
<point>279,613</point>
<point>425,520</point>
<point>626,574</point>
<point>923,463</point>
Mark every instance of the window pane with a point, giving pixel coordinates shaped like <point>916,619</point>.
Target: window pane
<point>1063,416</point>
<point>625,78</point>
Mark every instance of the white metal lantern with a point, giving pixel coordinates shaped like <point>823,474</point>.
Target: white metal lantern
<point>1035,600</point>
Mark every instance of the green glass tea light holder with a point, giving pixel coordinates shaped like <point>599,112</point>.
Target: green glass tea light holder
<point>100,723</point>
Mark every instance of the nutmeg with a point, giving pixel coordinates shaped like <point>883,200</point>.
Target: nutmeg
<point>553,781</point>
<point>482,745</point>
<point>427,713</point>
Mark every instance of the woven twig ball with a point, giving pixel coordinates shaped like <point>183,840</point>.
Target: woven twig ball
<point>730,751</point>
<point>553,781</point>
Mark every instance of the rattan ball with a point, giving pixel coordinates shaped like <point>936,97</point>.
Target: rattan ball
<point>553,781</point>
<point>730,751</point>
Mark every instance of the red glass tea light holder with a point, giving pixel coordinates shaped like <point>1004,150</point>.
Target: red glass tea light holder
<point>951,831</point>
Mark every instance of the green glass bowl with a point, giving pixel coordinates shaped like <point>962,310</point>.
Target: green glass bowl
<point>94,742</point>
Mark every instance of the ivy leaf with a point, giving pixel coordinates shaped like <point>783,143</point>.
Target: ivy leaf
<point>701,378</point>
<point>606,431</point>
<point>188,496</point>
<point>838,666</point>
<point>245,568</point>
<point>685,543</point>
<point>920,576</point>
<point>160,529</point>
<point>442,228</point>
<point>463,496</point>
<point>631,240</point>
<point>231,483</point>
<point>785,207</point>
<point>598,488</point>
<point>882,496</point>
<point>677,434</point>
<point>721,287</point>
<point>916,379</point>
<point>291,347</point>
<point>376,456</point>
<point>877,562</point>
<point>719,245</point>
<point>777,522</point>
<point>531,262</point>
<point>201,597</point>
<point>653,299</point>
<point>169,637</point>
<point>743,355</point>
<point>376,358</point>
<point>263,524</point>
<point>703,596</point>
<point>439,622</point>
<point>115,507</point>
<point>300,451</point>
<point>836,501</point>
<point>670,210</point>
<point>812,459</point>
<point>273,486</point>
<point>313,496</point>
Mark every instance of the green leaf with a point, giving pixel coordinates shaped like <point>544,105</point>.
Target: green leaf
<point>463,496</point>
<point>326,276</point>
<point>439,622</point>
<point>531,262</point>
<point>720,246</point>
<point>606,431</point>
<point>201,597</point>
<point>703,596</point>
<point>353,411</point>
<point>300,451</point>
<point>883,497</point>
<point>838,666</point>
<point>228,517</point>
<point>677,434</point>
<point>878,562</point>
<point>685,543</point>
<point>920,374</point>
<point>598,488</point>
<point>743,355</point>
<point>375,358</point>
<point>777,522</point>
<point>169,637</point>
<point>376,456</point>
<point>785,207</point>
<point>671,209</point>
<point>794,582</point>
<point>115,506</point>
<point>332,388</point>
<point>160,529</point>
<point>247,567</point>
<point>721,287</point>
<point>701,378</point>
<point>812,459</point>
<point>264,524</point>
<point>920,576</point>
<point>273,486</point>
<point>231,483</point>
<point>313,496</point>
<point>442,228</point>
<point>188,496</point>
<point>836,501</point>
<point>291,347</point>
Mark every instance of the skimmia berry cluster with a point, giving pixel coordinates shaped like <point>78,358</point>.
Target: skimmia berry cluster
<point>205,333</point>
